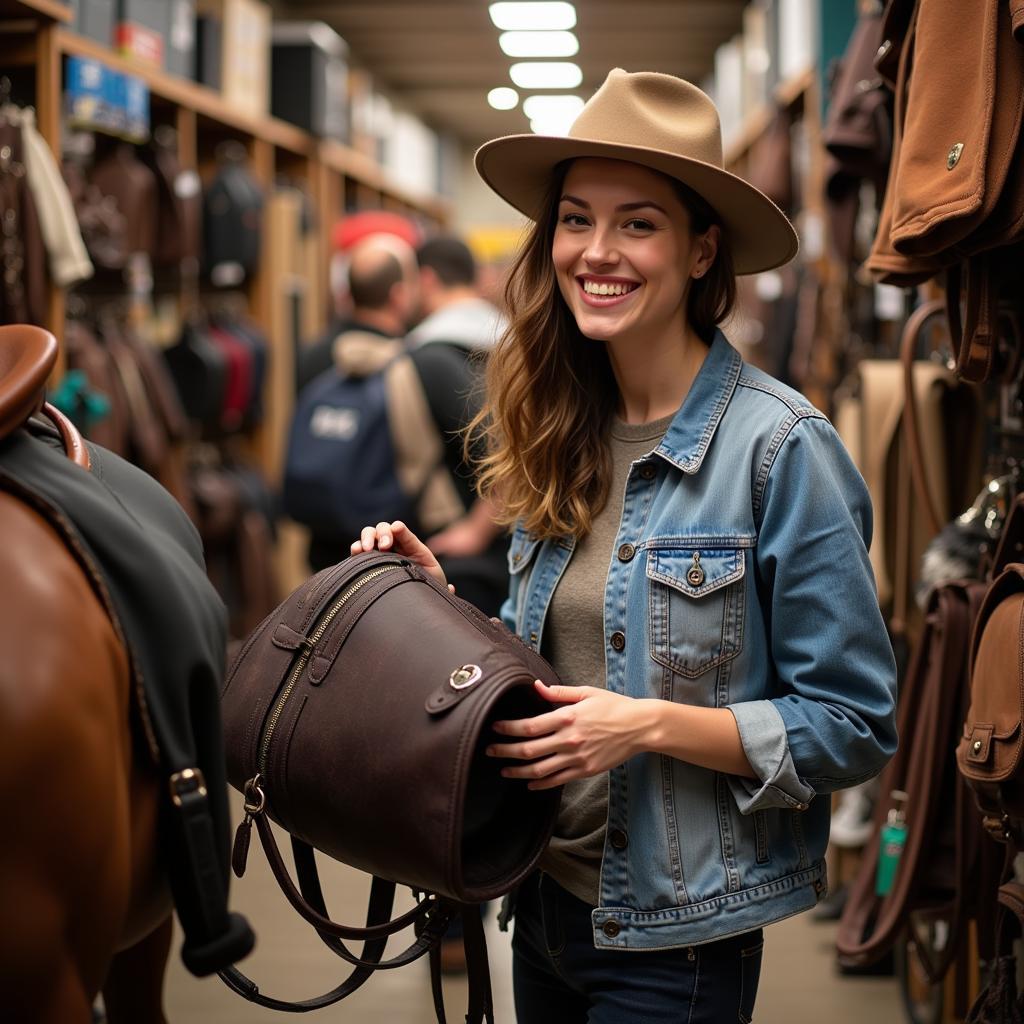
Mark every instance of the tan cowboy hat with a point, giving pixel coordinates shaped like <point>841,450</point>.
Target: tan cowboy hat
<point>661,122</point>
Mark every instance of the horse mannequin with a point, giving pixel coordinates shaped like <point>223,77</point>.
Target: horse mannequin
<point>86,907</point>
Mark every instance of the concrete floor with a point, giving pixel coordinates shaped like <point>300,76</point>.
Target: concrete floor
<point>798,981</point>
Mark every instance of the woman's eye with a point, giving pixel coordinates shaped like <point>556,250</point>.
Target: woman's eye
<point>574,219</point>
<point>639,224</point>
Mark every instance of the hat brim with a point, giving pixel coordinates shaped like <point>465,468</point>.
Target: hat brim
<point>519,169</point>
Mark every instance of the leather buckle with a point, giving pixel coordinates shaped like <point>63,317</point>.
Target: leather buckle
<point>185,783</point>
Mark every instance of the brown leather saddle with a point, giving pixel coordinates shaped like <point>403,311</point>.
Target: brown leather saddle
<point>27,358</point>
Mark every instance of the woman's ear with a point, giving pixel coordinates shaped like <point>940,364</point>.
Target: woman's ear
<point>706,246</point>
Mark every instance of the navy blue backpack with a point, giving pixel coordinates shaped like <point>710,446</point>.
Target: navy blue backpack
<point>340,466</point>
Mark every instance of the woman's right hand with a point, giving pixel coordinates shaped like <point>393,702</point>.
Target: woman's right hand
<point>397,537</point>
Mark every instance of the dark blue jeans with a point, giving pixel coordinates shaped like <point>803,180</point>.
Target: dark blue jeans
<point>560,978</point>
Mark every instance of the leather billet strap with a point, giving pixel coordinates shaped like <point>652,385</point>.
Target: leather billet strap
<point>431,919</point>
<point>378,911</point>
<point>916,323</point>
<point>419,914</point>
<point>976,335</point>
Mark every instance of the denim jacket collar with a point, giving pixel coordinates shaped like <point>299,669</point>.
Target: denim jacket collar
<point>687,439</point>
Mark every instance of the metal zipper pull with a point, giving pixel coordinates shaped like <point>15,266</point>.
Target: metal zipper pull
<point>255,803</point>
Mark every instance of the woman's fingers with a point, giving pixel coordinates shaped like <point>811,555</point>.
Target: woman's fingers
<point>528,750</point>
<point>397,537</point>
<point>540,773</point>
<point>383,536</point>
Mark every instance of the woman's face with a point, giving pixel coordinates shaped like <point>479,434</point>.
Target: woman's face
<point>623,250</point>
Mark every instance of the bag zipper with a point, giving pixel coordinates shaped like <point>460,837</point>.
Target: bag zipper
<point>307,650</point>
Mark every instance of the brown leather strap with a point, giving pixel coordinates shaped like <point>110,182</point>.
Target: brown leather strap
<point>911,421</point>
<point>871,924</point>
<point>430,918</point>
<point>975,337</point>
<point>1011,540</point>
<point>417,915</point>
<point>74,443</point>
<point>379,910</point>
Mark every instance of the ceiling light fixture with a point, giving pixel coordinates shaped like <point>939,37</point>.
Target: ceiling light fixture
<point>551,126</point>
<point>533,16</point>
<point>551,115</point>
<point>538,44</point>
<point>546,75</point>
<point>503,98</point>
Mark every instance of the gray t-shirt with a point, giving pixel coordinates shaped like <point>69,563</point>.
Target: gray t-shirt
<point>574,644</point>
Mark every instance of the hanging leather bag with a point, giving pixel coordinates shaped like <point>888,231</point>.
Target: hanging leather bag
<point>956,188</point>
<point>990,753</point>
<point>356,717</point>
<point>937,860</point>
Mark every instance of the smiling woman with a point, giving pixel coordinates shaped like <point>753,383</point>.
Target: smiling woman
<point>690,553</point>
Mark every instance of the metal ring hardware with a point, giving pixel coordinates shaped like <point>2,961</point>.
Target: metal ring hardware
<point>465,676</point>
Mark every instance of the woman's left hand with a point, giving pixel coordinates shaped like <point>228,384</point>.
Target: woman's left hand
<point>592,730</point>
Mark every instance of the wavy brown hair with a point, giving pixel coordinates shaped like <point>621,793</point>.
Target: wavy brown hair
<point>551,393</point>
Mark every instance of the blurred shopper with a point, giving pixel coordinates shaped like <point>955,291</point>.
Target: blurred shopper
<point>384,289</point>
<point>373,228</point>
<point>449,347</point>
<point>690,552</point>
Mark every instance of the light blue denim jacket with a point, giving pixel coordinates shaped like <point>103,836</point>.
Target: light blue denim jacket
<point>739,579</point>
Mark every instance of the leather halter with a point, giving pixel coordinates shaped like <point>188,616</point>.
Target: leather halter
<point>27,358</point>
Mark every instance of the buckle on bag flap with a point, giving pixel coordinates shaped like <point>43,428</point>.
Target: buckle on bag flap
<point>185,783</point>
<point>465,677</point>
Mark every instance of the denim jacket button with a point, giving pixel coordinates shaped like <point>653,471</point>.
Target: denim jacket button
<point>618,640</point>
<point>626,553</point>
<point>611,929</point>
<point>619,839</point>
<point>648,471</point>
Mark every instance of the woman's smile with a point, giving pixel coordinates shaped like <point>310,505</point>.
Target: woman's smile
<point>601,291</point>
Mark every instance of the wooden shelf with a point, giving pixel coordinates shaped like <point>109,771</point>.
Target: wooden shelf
<point>209,104</point>
<point>354,164</point>
<point>757,121</point>
<point>51,10</point>
<point>204,101</point>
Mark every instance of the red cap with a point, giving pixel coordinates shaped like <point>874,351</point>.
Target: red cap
<point>354,228</point>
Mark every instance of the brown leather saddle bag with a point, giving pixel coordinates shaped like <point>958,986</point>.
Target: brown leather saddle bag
<point>356,717</point>
<point>990,754</point>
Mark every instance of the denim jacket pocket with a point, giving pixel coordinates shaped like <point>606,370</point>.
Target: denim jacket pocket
<point>696,602</point>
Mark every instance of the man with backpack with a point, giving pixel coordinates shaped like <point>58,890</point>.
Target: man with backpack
<point>379,435</point>
<point>342,463</point>
<point>366,231</point>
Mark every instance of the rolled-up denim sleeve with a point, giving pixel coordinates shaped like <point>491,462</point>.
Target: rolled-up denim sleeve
<point>829,720</point>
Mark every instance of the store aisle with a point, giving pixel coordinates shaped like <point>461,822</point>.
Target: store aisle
<point>798,983</point>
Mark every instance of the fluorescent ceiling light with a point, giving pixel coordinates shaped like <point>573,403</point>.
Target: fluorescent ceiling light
<point>533,16</point>
<point>503,98</point>
<point>551,115</point>
<point>539,108</point>
<point>551,126</point>
<point>546,75</point>
<point>538,44</point>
